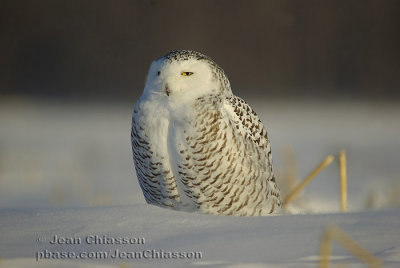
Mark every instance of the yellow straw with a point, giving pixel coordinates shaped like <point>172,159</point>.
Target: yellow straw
<point>349,244</point>
<point>307,180</point>
<point>343,180</point>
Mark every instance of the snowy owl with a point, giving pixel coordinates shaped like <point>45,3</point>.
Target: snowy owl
<point>198,147</point>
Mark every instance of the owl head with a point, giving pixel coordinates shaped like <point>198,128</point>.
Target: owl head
<point>185,75</point>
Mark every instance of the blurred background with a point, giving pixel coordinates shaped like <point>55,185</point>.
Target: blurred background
<point>102,49</point>
<point>323,76</point>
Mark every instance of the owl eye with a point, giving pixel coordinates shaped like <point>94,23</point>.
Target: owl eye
<point>186,73</point>
<point>158,73</point>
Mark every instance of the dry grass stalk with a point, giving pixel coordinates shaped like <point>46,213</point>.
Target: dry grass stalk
<point>343,180</point>
<point>328,160</point>
<point>348,243</point>
<point>288,178</point>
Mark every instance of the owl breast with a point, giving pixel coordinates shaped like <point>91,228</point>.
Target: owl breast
<point>149,136</point>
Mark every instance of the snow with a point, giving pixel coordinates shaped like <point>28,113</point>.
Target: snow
<point>276,241</point>
<point>66,169</point>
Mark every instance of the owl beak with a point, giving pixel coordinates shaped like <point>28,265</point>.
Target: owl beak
<point>167,90</point>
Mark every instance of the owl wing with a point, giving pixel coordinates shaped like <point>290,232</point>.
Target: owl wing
<point>225,161</point>
<point>248,125</point>
<point>251,129</point>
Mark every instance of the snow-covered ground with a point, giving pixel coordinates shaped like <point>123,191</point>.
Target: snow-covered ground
<point>66,169</point>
